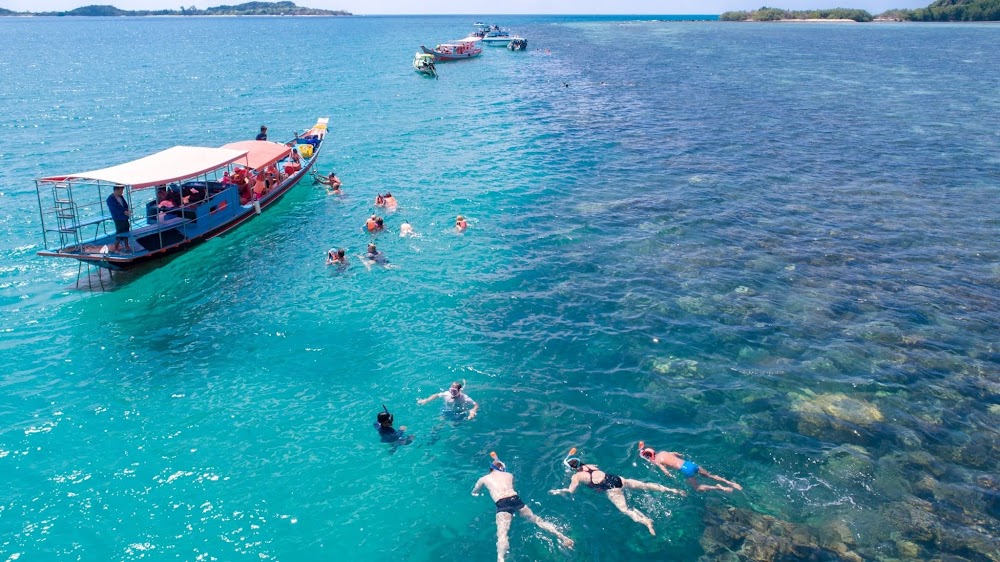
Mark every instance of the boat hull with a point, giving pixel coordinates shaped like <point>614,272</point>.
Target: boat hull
<point>439,56</point>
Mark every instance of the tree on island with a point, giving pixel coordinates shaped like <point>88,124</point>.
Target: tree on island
<point>778,14</point>
<point>957,10</point>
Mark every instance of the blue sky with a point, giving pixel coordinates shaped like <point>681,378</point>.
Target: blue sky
<point>485,7</point>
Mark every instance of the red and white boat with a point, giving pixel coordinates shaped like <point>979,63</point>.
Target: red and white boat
<point>456,50</point>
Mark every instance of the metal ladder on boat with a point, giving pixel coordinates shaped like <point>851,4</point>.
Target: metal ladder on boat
<point>66,215</point>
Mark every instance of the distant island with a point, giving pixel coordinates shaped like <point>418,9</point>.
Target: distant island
<point>778,14</point>
<point>940,10</point>
<point>247,9</point>
<point>950,10</point>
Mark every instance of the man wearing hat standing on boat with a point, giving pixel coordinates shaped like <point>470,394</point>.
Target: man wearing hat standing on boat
<point>262,135</point>
<point>118,207</point>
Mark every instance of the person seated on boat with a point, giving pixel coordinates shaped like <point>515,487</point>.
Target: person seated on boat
<point>379,200</point>
<point>163,198</point>
<point>246,195</point>
<point>390,201</point>
<point>226,178</point>
<point>461,224</point>
<point>191,195</point>
<point>295,162</point>
<point>173,195</point>
<point>260,187</point>
<point>338,257</point>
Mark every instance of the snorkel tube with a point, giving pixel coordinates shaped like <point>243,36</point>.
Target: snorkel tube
<point>569,458</point>
<point>387,413</point>
<point>496,464</point>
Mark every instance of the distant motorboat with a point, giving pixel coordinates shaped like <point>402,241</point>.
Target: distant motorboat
<point>456,50</point>
<point>424,64</point>
<point>492,35</point>
<point>517,44</point>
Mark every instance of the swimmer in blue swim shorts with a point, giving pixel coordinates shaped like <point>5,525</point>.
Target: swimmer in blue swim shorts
<point>664,460</point>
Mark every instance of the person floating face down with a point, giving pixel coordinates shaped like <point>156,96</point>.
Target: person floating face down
<point>500,485</point>
<point>455,401</point>
<point>664,460</point>
<point>611,485</point>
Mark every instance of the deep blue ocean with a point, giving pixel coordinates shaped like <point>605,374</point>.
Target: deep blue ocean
<point>773,248</point>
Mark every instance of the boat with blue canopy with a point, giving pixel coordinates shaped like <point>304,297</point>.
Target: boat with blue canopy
<point>175,198</point>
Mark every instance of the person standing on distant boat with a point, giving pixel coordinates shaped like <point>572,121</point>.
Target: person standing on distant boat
<point>596,479</point>
<point>664,460</point>
<point>120,213</point>
<point>500,484</point>
<point>262,135</point>
<point>454,400</point>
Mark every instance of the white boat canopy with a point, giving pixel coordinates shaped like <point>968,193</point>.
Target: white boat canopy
<point>173,164</point>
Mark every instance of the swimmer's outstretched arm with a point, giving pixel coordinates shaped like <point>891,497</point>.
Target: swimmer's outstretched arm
<point>422,401</point>
<point>479,484</point>
<point>573,483</point>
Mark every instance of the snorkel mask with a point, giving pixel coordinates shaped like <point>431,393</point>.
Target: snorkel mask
<point>646,452</point>
<point>496,464</point>
<point>387,416</point>
<point>570,460</point>
<point>456,389</point>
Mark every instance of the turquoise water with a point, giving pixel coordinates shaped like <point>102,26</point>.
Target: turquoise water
<point>773,248</point>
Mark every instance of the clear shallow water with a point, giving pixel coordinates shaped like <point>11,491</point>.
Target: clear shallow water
<point>770,247</point>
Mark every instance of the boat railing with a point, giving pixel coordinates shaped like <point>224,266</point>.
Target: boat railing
<point>66,219</point>
<point>72,221</point>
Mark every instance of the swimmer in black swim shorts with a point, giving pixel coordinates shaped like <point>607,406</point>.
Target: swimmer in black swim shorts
<point>500,484</point>
<point>612,484</point>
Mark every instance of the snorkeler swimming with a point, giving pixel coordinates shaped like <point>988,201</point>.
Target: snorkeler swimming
<point>664,460</point>
<point>454,399</point>
<point>500,484</point>
<point>386,432</point>
<point>596,479</point>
